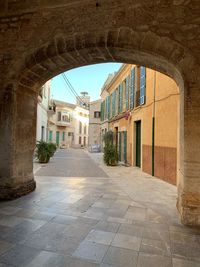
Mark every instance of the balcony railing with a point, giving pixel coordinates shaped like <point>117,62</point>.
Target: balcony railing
<point>63,123</point>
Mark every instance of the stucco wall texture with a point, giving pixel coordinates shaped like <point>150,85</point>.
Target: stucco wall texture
<point>166,123</point>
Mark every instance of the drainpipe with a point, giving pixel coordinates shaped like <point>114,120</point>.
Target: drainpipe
<point>153,125</point>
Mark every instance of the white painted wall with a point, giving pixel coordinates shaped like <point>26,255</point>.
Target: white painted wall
<point>42,116</point>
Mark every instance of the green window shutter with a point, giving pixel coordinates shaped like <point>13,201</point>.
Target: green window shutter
<point>120,98</point>
<point>57,138</point>
<point>112,96</point>
<point>127,93</point>
<point>116,101</point>
<point>120,146</point>
<point>50,136</point>
<point>101,111</point>
<point>113,104</point>
<point>63,136</point>
<point>108,107</point>
<point>125,146</point>
<point>132,88</point>
<point>104,110</point>
<point>142,85</point>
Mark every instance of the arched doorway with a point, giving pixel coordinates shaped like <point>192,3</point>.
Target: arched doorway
<point>52,38</point>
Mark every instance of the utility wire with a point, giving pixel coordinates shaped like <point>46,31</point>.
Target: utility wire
<point>72,88</point>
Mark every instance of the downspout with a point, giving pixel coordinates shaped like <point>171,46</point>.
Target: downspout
<point>153,125</point>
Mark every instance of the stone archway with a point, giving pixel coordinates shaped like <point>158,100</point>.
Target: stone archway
<point>45,39</point>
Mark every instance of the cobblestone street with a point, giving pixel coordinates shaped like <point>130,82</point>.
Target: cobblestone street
<point>85,214</point>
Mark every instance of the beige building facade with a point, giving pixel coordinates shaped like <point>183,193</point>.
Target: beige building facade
<point>68,124</point>
<point>142,110</point>
<point>94,123</point>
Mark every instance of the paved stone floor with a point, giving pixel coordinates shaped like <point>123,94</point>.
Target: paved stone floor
<point>106,217</point>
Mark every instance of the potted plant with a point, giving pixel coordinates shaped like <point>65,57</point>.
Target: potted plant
<point>110,151</point>
<point>52,148</point>
<point>43,153</point>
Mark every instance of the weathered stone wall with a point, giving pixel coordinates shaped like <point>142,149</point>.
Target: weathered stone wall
<point>42,38</point>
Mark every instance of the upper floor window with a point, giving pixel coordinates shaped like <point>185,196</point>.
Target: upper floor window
<point>80,127</point>
<point>59,116</point>
<point>97,114</point>
<point>66,118</point>
<point>85,129</point>
<point>142,85</point>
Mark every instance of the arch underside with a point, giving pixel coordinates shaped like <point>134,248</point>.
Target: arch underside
<point>61,54</point>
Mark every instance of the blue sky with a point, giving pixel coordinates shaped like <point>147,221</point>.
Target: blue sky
<point>89,78</point>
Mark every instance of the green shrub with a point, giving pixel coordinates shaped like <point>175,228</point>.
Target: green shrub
<point>110,151</point>
<point>110,155</point>
<point>52,148</point>
<point>108,138</point>
<point>43,152</point>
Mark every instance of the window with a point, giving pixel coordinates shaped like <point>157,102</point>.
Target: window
<point>79,140</point>
<point>103,111</point>
<point>124,95</point>
<point>65,118</point>
<point>120,98</point>
<point>59,116</point>
<point>85,129</point>
<point>132,91</point>
<point>80,127</point>
<point>42,133</point>
<point>127,92</point>
<point>108,108</point>
<point>113,103</point>
<point>97,114</point>
<point>50,136</point>
<point>142,85</point>
<point>63,136</point>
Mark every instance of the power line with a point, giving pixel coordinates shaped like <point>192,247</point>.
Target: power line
<point>72,88</point>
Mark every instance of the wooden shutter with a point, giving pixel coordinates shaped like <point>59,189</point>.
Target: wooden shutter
<point>108,107</point>
<point>142,85</point>
<point>132,88</point>
<point>120,145</point>
<point>127,93</point>
<point>125,146</point>
<point>120,98</point>
<point>101,111</point>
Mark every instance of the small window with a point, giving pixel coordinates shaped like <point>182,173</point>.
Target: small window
<point>97,114</point>
<point>59,116</point>
<point>42,133</point>
<point>80,127</point>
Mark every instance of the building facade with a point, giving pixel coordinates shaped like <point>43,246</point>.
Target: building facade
<point>142,110</point>
<point>94,123</point>
<point>42,109</point>
<point>60,123</point>
<point>68,124</point>
<point>81,126</point>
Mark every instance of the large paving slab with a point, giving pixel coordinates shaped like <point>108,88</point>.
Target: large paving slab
<point>119,217</point>
<point>71,163</point>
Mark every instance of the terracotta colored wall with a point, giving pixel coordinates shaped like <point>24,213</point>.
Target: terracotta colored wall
<point>165,162</point>
<point>166,124</point>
